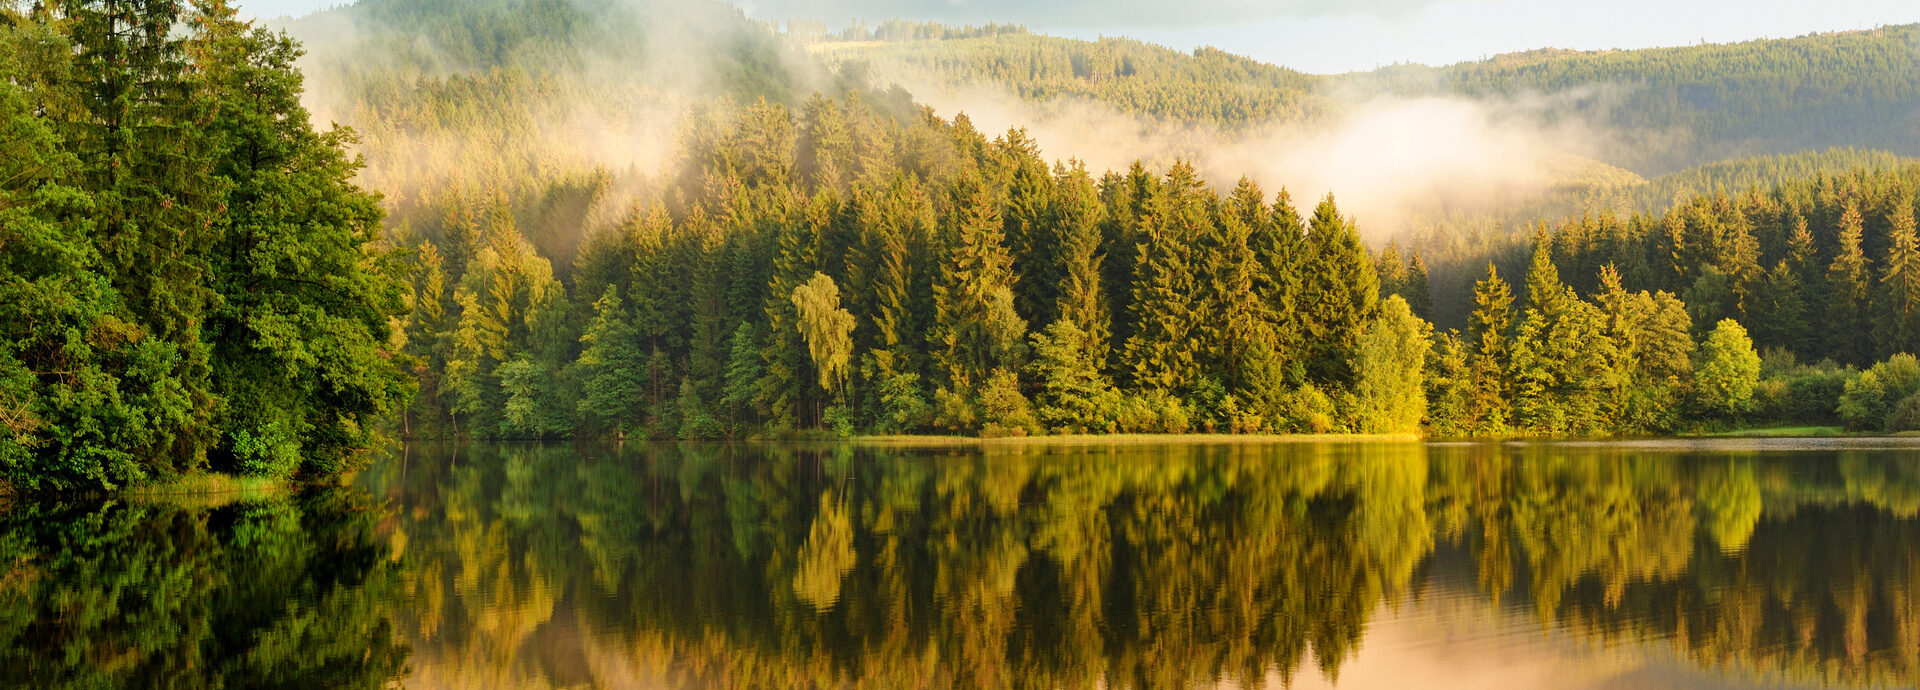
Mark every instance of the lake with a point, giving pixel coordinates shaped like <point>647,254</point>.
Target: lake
<point>1679,564</point>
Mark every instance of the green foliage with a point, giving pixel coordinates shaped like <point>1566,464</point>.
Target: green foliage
<point>1390,396</point>
<point>1167,305</point>
<point>1338,295</point>
<point>612,367</point>
<point>190,277</point>
<point>1728,370</point>
<point>1870,396</point>
<point>1074,396</point>
<point>827,328</point>
<point>1004,410</point>
<point>1905,415</point>
<point>902,406</point>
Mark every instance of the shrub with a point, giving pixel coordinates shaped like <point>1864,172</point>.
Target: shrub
<point>1005,411</point>
<point>954,411</point>
<point>901,407</point>
<point>839,421</point>
<point>1905,415</point>
<point>1869,397</point>
<point>1309,410</point>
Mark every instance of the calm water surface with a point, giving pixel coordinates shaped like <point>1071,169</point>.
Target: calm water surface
<point>1712,564</point>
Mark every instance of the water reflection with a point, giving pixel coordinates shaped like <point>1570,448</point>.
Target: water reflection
<point>1136,566</point>
<point>1038,566</point>
<point>287,592</point>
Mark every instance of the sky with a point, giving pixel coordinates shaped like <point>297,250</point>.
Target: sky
<point>1329,36</point>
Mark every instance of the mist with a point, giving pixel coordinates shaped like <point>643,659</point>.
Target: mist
<point>612,86</point>
<point>624,86</point>
<point>1389,160</point>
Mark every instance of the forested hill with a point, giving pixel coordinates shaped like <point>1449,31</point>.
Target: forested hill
<point>1673,107</point>
<point>1697,104</point>
<point>545,111</point>
<point>1206,86</point>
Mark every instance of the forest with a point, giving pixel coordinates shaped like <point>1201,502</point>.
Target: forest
<point>189,276</point>
<point>193,276</point>
<point>1696,104</point>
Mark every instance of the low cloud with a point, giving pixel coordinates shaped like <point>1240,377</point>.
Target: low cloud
<point>1082,14</point>
<point>1386,159</point>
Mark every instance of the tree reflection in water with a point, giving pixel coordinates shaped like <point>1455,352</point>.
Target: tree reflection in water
<point>996,566</point>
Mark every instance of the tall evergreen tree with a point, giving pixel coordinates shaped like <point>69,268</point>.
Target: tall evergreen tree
<point>1900,277</point>
<point>1489,404</point>
<point>782,389</point>
<point>147,168</point>
<point>1031,228</point>
<point>1849,335</point>
<point>1083,297</point>
<point>976,329</point>
<point>1239,329</point>
<point>1166,305</point>
<point>1338,296</point>
<point>613,368</point>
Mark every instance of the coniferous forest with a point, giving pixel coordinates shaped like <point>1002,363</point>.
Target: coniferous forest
<point>195,274</point>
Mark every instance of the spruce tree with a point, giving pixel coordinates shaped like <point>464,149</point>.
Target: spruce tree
<point>1280,242</point>
<point>782,388</point>
<point>1339,293</point>
<point>612,366</point>
<point>1240,327</point>
<point>1032,228</point>
<point>1083,297</point>
<point>1489,403</point>
<point>974,317</point>
<point>1849,331</point>
<point>145,160</point>
<point>1162,355</point>
<point>1900,279</point>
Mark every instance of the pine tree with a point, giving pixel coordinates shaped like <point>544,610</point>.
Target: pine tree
<point>1031,228</point>
<point>744,370</point>
<point>1560,364</point>
<point>1280,242</point>
<point>1780,310</point>
<point>706,287</point>
<point>785,356</point>
<point>133,123</point>
<point>1239,326</point>
<point>1126,199</point>
<point>1418,291</point>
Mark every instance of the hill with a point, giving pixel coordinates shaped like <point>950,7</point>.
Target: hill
<point>1666,109</point>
